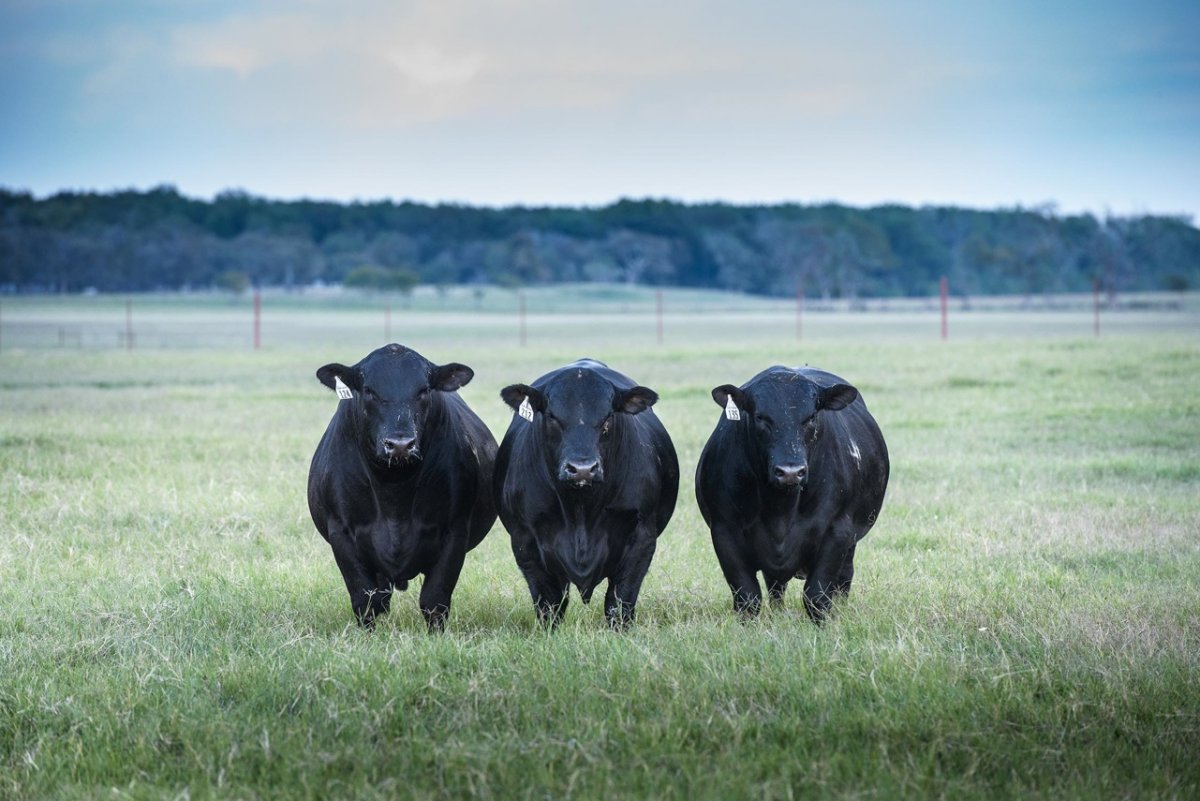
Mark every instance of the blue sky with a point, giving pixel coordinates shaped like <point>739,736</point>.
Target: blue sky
<point>1092,106</point>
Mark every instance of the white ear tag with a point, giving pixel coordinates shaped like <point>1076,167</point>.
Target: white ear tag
<point>731,410</point>
<point>343,391</point>
<point>526,409</point>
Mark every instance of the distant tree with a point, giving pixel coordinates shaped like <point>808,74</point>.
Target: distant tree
<point>642,258</point>
<point>376,278</point>
<point>366,276</point>
<point>401,279</point>
<point>234,281</point>
<point>739,266</point>
<point>129,240</point>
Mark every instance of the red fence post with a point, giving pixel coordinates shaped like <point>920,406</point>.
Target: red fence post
<point>1096,306</point>
<point>129,324</point>
<point>257,319</point>
<point>658,315</point>
<point>945,292</point>
<point>521,318</point>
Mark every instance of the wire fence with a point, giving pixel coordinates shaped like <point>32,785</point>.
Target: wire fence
<point>655,318</point>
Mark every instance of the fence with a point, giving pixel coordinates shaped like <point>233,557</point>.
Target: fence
<point>561,316</point>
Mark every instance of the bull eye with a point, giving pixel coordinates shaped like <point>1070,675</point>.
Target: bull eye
<point>606,425</point>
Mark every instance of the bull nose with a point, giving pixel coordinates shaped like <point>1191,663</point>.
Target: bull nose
<point>398,446</point>
<point>581,471</point>
<point>791,474</point>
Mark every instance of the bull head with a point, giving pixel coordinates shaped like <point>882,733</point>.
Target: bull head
<point>577,414</point>
<point>395,398</point>
<point>779,420</point>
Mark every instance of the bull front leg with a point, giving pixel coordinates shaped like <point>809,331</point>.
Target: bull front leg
<point>368,599</point>
<point>624,586</point>
<point>739,574</point>
<point>441,580</point>
<point>549,593</point>
<point>833,572</point>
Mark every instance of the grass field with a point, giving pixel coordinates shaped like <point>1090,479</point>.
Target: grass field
<point>1025,619</point>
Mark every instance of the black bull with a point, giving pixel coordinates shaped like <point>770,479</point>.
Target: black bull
<point>586,479</point>
<point>791,479</point>
<point>400,484</point>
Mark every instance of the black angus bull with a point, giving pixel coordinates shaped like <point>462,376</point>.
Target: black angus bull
<point>791,479</point>
<point>400,484</point>
<point>586,479</point>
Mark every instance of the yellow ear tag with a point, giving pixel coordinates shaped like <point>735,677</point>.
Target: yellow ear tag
<point>731,410</point>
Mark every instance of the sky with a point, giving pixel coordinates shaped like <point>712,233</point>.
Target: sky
<point>1085,106</point>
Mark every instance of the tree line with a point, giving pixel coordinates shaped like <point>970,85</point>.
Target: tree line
<point>159,239</point>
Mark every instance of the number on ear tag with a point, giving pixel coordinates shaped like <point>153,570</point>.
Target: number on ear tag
<point>526,409</point>
<point>343,391</point>
<point>731,410</point>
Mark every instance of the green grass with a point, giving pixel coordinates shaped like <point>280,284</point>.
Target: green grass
<point>1025,620</point>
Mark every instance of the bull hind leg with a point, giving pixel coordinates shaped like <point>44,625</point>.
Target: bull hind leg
<point>550,603</point>
<point>776,588</point>
<point>841,586</point>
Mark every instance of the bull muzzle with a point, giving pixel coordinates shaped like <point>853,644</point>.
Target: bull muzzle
<point>790,475</point>
<point>581,472</point>
<point>400,449</point>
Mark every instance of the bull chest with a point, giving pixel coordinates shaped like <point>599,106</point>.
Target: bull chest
<point>783,542</point>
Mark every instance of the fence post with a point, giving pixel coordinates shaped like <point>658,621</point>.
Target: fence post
<point>257,318</point>
<point>129,324</point>
<point>387,322</point>
<point>521,317</point>
<point>658,314</point>
<point>944,288</point>
<point>1096,306</point>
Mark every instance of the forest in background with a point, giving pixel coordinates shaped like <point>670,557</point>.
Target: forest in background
<point>160,239</point>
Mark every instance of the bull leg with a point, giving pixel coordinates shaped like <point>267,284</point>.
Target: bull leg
<point>367,598</point>
<point>829,578</point>
<point>440,582</point>
<point>740,576</point>
<point>550,594</point>
<point>842,586</point>
<point>776,587</point>
<point>620,601</point>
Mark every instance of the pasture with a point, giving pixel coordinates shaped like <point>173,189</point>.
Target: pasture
<point>1024,621</point>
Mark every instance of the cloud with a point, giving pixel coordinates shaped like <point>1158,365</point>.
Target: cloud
<point>655,97</point>
<point>427,65</point>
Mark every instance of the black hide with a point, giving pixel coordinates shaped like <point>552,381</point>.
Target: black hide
<point>585,487</point>
<point>790,488</point>
<point>400,484</point>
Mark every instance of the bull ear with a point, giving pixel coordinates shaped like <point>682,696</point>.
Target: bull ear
<point>723,393</point>
<point>350,377</point>
<point>837,397</point>
<point>515,394</point>
<point>635,400</point>
<point>450,377</point>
